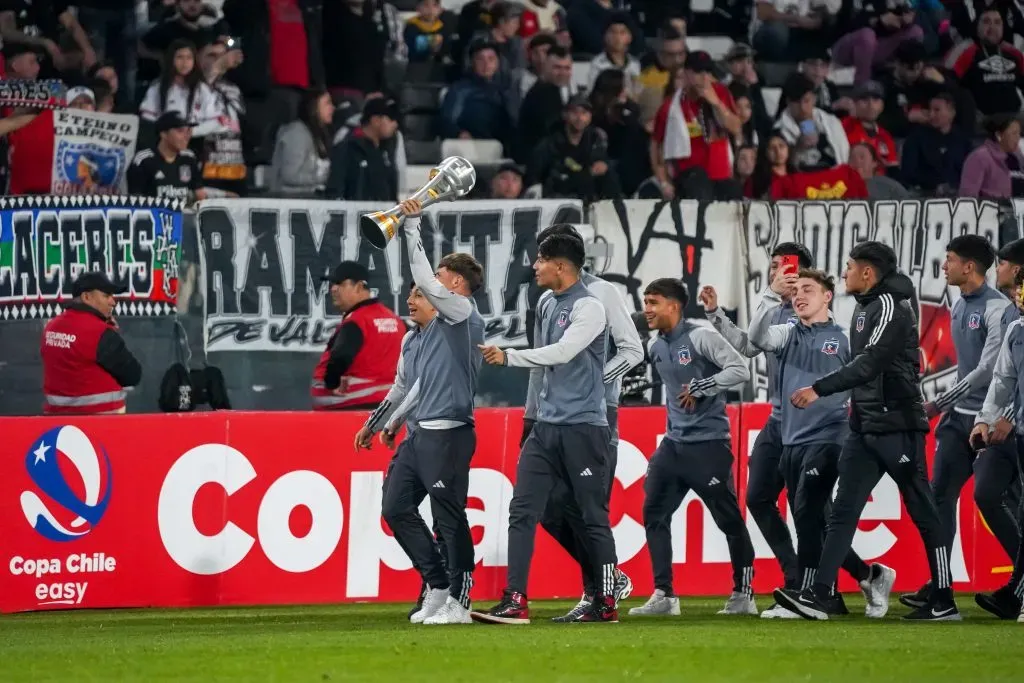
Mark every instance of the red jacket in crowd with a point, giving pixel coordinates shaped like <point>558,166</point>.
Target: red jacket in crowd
<point>359,364</point>
<point>879,139</point>
<point>841,182</point>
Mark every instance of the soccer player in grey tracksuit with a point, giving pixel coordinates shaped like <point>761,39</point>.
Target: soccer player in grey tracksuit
<point>1006,394</point>
<point>976,323</point>
<point>696,366</point>
<point>437,454</point>
<point>811,439</point>
<point>764,478</point>
<point>570,441</point>
<point>561,518</point>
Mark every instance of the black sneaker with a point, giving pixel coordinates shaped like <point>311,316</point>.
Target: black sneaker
<point>836,605</point>
<point>1003,603</point>
<point>919,599</point>
<point>419,601</point>
<point>512,609</point>
<point>601,611</point>
<point>576,612</point>
<point>939,609</point>
<point>805,603</point>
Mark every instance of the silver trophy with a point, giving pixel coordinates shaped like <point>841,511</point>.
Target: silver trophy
<point>452,178</point>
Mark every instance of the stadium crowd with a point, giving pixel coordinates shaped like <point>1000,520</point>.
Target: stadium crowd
<point>821,99</point>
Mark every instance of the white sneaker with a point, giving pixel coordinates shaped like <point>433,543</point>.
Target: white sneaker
<point>739,603</point>
<point>451,613</point>
<point>777,611</point>
<point>435,600</point>
<point>876,592</point>
<point>657,604</point>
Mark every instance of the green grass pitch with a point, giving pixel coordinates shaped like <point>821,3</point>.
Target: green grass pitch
<point>375,643</point>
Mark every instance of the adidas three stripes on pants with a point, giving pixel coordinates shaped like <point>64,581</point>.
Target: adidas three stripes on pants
<point>576,457</point>
<point>706,468</point>
<point>433,463</point>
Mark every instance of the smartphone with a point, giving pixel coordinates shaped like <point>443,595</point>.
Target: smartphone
<point>790,263</point>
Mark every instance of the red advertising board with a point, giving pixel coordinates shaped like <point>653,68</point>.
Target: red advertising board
<point>270,508</point>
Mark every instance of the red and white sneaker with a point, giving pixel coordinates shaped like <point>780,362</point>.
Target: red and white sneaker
<point>513,609</point>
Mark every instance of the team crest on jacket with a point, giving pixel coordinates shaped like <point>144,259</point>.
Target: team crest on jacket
<point>684,355</point>
<point>860,321</point>
<point>974,322</point>
<point>830,347</point>
<point>563,317</point>
<point>793,320</point>
<point>185,173</point>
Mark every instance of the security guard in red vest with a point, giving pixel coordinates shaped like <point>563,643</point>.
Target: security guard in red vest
<point>358,367</point>
<point>86,364</point>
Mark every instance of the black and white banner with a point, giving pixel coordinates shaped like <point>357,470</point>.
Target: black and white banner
<point>262,261</point>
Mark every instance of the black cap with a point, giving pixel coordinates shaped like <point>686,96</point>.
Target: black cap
<point>347,270</point>
<point>796,86</point>
<point>817,52</point>
<point>869,90</point>
<point>619,17</point>
<point>911,52</point>
<point>579,101</point>
<point>511,166</point>
<point>1013,252</point>
<point>379,106</point>
<point>700,62</point>
<point>95,281</point>
<point>171,120</point>
<point>506,10</point>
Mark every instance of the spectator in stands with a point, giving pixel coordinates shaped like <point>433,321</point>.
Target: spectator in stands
<point>22,62</point>
<point>536,55</point>
<point>619,117</point>
<point>504,36</point>
<point>222,157</point>
<point>963,18</point>
<point>394,146</point>
<point>869,99</point>
<point>691,153</point>
<point>587,22</point>
<point>39,25</point>
<point>865,160</point>
<point>81,97</point>
<point>181,88</point>
<point>507,183</point>
<point>478,106</point>
<point>541,16</point>
<point>745,110</point>
<point>170,169</point>
<point>301,163</point>
<point>882,26</point>
<point>773,162</point>
<point>427,38</point>
<point>657,71</point>
<point>995,170</point>
<point>934,153</point>
<point>105,100</point>
<point>785,30</point>
<point>818,139</point>
<point>989,68</point>
<point>474,18</point>
<point>746,160</point>
<point>573,162</point>
<point>617,39</point>
<point>106,72</point>
<point>816,67</point>
<point>739,60</point>
<point>909,87</point>
<point>108,23</point>
<point>193,21</point>
<point>361,167</point>
<point>542,110</point>
<point>360,38</point>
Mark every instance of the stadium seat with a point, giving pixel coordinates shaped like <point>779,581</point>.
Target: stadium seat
<point>420,98</point>
<point>716,46</point>
<point>580,76</point>
<point>422,151</point>
<point>416,176</point>
<point>771,97</point>
<point>424,72</point>
<point>476,151</point>
<point>420,126</point>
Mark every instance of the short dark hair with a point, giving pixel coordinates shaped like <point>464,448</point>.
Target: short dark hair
<point>559,229</point>
<point>558,52</point>
<point>466,266</point>
<point>668,32</point>
<point>946,96</point>
<point>564,247</point>
<point>974,248</point>
<point>880,256</point>
<point>819,276</point>
<point>796,86</point>
<point>802,253</point>
<point>997,123</point>
<point>670,288</point>
<point>1013,252</point>
<point>542,39</point>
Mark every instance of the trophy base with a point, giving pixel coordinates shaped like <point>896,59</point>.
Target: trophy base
<point>373,232</point>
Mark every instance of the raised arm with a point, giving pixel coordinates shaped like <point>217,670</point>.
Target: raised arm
<point>734,371</point>
<point>454,308</point>
<point>763,334</point>
<point>587,322</point>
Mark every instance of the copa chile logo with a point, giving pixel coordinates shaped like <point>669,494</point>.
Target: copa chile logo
<point>66,513</point>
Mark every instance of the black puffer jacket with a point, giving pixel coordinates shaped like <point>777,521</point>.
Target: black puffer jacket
<point>883,376</point>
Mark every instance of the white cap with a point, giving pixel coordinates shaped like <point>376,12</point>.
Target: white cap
<point>75,93</point>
